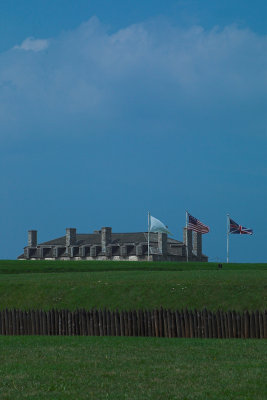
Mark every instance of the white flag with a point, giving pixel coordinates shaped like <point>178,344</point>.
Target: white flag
<point>157,226</point>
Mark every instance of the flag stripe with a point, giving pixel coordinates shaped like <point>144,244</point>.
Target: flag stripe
<point>195,225</point>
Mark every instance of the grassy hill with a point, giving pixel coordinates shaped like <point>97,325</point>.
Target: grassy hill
<point>132,368</point>
<point>130,285</point>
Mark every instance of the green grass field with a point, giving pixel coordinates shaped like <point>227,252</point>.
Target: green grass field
<point>132,368</point>
<point>97,368</point>
<point>122,285</point>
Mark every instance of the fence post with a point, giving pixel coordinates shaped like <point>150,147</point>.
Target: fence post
<point>87,322</point>
<point>42,328</point>
<point>112,323</point>
<point>6,322</point>
<point>96,322</point>
<point>69,322</point>
<point>194,314</point>
<point>165,323</point>
<point>214,325</point>
<point>218,323</point>
<point>145,322</point>
<point>26,322</point>
<point>234,323</point>
<point>186,323</point>
<point>142,319</point>
<point>174,333</point>
<point>161,322</point>
<point>122,328</point>
<point>104,321</point>
<point>230,324</point>
<point>38,320</point>
<point>210,327</point>
<point>168,324</point>
<point>242,325</point>
<point>257,325</point>
<point>247,323</point>
<point>100,319</point>
<point>17,323</point>
<point>60,322</point>
<point>149,323</point>
<point>125,323</point>
<point>135,324</point>
<point>226,324</point>
<point>33,316</point>
<point>265,324</point>
<point>200,326</point>
<point>90,316</point>
<point>54,327</point>
<point>238,324</point>
<point>1,323</point>
<point>117,323</point>
<point>182,323</point>
<point>156,322</point>
<point>139,323</point>
<point>261,328</point>
<point>252,325</point>
<point>65,325</point>
<point>84,323</point>
<point>178,324</point>
<point>48,322</point>
<point>191,324</point>
<point>14,322</point>
<point>222,323</point>
<point>56,324</point>
<point>130,323</point>
<point>206,323</point>
<point>108,323</point>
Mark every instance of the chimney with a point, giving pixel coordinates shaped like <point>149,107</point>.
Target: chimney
<point>197,244</point>
<point>188,241</point>
<point>32,238</point>
<point>70,236</point>
<point>105,238</point>
<point>162,242</point>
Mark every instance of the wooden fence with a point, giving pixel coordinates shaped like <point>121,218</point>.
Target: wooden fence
<point>154,323</point>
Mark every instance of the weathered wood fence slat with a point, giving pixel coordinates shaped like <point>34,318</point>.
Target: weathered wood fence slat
<point>153,323</point>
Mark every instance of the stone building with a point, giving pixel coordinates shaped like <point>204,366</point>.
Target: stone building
<point>106,245</point>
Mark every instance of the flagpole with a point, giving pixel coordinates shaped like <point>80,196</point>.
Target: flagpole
<point>148,231</point>
<point>186,235</point>
<point>227,246</point>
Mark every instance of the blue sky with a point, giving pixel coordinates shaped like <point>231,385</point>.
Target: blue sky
<point>111,109</point>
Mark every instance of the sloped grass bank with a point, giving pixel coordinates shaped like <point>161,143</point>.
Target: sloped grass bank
<point>132,368</point>
<point>214,290</point>
<point>41,266</point>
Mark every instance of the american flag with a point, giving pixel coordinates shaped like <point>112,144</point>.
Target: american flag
<point>197,226</point>
<point>239,229</point>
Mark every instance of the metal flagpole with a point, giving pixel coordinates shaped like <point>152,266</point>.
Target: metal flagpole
<point>148,230</point>
<point>186,235</point>
<point>227,238</point>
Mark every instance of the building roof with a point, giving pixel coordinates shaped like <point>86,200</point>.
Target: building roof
<point>116,238</point>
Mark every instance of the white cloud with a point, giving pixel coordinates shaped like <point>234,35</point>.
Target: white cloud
<point>146,76</point>
<point>33,44</point>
